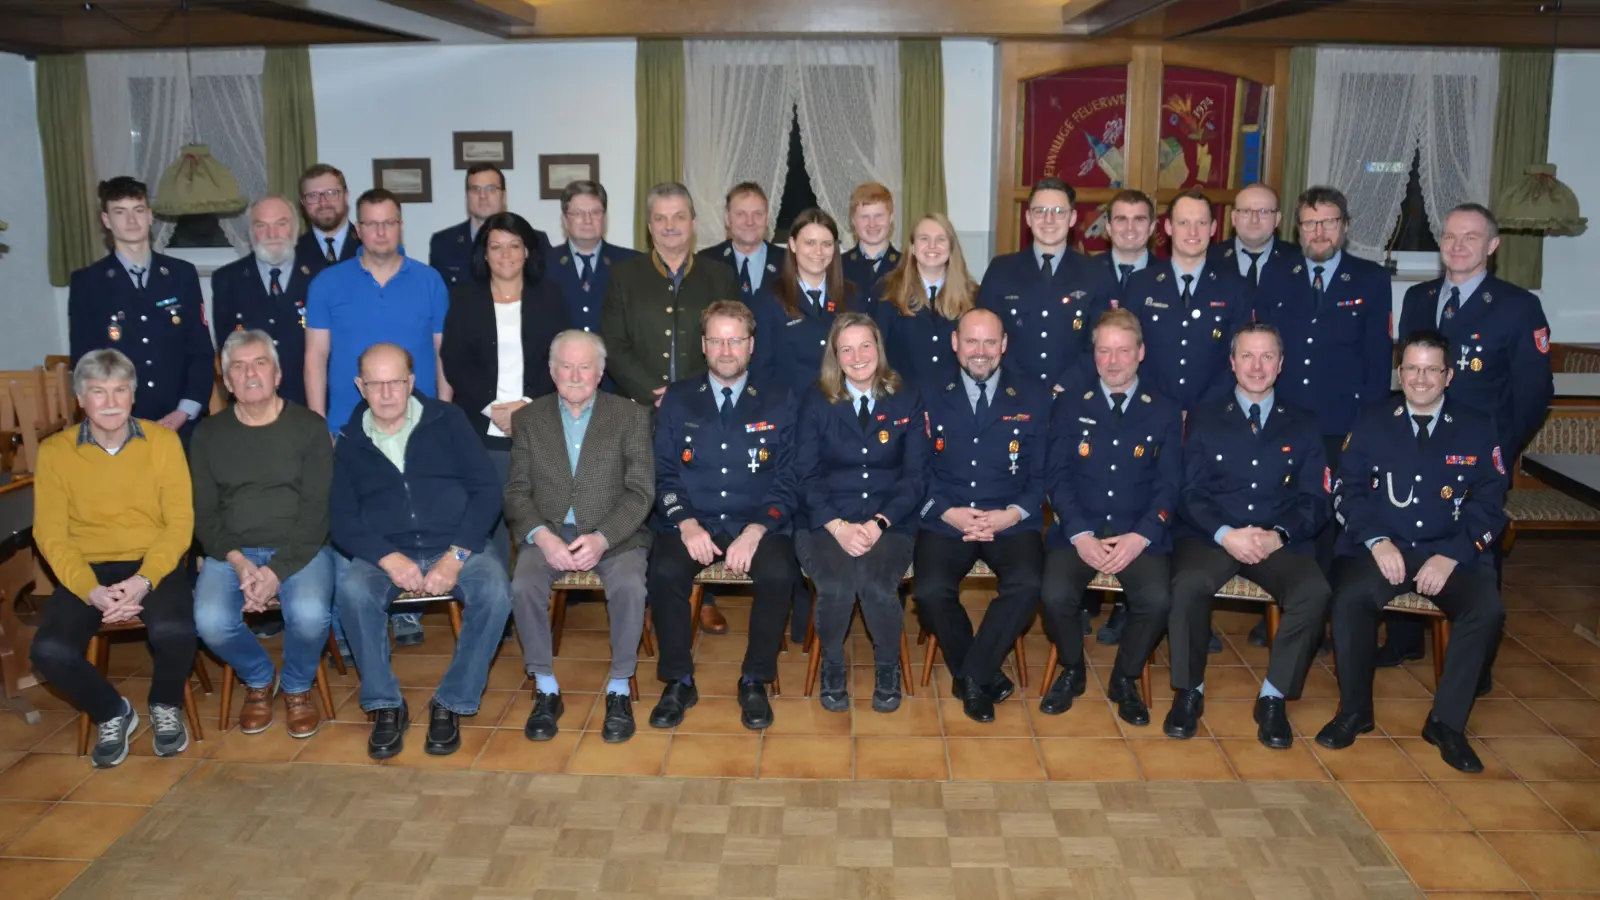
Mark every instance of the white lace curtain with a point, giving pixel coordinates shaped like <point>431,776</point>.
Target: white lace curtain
<point>741,96</point>
<point>143,111</point>
<point>1377,108</point>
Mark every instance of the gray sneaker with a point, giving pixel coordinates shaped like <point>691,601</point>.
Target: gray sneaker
<point>166,724</point>
<point>111,748</point>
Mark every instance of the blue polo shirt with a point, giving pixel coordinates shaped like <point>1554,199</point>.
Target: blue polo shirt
<point>357,312</point>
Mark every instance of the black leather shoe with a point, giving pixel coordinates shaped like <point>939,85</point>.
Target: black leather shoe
<point>886,688</point>
<point>975,700</point>
<point>835,688</point>
<point>1344,729</point>
<point>755,712</point>
<point>1453,746</point>
<point>388,732</point>
<point>444,731</point>
<point>1272,717</point>
<point>674,702</point>
<point>1258,633</point>
<point>1184,718</point>
<point>1087,621</point>
<point>547,710</point>
<point>1215,646</point>
<point>1000,688</point>
<point>1389,656</point>
<point>1069,684</point>
<point>1111,632</point>
<point>1124,692</point>
<point>618,726</point>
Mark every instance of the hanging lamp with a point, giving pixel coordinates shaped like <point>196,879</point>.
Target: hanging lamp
<point>195,183</point>
<point>1538,202</point>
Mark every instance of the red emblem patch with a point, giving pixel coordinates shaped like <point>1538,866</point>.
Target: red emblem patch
<point>1499,464</point>
<point>1162,515</point>
<point>1327,480</point>
<point>1114,304</point>
<point>1541,339</point>
<point>773,512</point>
<point>688,455</point>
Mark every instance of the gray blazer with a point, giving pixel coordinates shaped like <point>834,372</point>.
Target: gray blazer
<point>615,485</point>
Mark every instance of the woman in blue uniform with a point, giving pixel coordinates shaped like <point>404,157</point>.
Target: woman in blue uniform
<point>919,302</point>
<point>795,310</point>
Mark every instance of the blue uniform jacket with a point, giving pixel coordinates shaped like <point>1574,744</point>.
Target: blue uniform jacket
<point>1114,477</point>
<point>858,271</point>
<point>1500,346</point>
<point>723,253</point>
<point>789,351</point>
<point>1444,501</point>
<point>1186,350</point>
<point>239,301</point>
<point>1232,477</point>
<point>919,346</point>
<point>853,474</point>
<point>310,252</point>
<point>1047,321</point>
<point>1338,358</point>
<point>989,463</point>
<point>583,304</point>
<point>162,329</point>
<point>1274,264</point>
<point>450,251</point>
<point>726,479</point>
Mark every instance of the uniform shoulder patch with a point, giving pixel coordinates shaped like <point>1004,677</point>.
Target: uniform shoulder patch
<point>1499,463</point>
<point>1541,339</point>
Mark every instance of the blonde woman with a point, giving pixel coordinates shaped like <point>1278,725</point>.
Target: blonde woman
<point>918,303</point>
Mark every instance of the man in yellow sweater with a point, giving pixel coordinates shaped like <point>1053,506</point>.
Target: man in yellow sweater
<point>113,515</point>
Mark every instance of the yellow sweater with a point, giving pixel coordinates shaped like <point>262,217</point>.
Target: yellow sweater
<point>90,506</point>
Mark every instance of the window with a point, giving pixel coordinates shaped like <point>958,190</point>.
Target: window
<point>1413,230</point>
<point>797,196</point>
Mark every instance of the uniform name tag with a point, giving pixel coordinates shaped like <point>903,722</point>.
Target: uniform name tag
<point>758,426</point>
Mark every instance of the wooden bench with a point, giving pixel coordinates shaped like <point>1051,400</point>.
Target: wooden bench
<point>1531,504</point>
<point>34,404</point>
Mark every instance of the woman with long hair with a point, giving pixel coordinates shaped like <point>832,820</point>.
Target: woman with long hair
<point>795,311</point>
<point>863,452</point>
<point>919,302</point>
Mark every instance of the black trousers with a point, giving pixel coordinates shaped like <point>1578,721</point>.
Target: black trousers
<point>70,622</point>
<point>873,578</point>
<point>941,564</point>
<point>671,579</point>
<point>1147,594</point>
<point>1328,539</point>
<point>1201,567</point>
<point>1469,599</point>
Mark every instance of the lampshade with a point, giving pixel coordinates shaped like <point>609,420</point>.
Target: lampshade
<point>197,184</point>
<point>1540,202</point>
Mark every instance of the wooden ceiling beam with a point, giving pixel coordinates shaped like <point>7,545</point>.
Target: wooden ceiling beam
<point>77,30</point>
<point>1458,28</point>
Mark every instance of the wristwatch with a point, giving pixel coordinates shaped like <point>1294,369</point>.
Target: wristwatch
<point>460,553</point>
<point>148,584</point>
<point>883,524</point>
<point>1283,533</point>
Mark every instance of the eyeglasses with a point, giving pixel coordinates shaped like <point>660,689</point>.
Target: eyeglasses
<point>585,215</point>
<point>730,343</point>
<point>1255,213</point>
<point>1319,224</point>
<point>388,387</point>
<point>385,225</point>
<point>1431,371</point>
<point>484,190</point>
<point>1049,212</point>
<point>331,194</point>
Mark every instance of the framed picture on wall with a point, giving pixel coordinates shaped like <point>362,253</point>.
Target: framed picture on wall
<point>409,179</point>
<point>557,170</point>
<point>483,147</point>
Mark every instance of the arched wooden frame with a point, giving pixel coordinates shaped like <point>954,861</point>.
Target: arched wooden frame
<point>1021,61</point>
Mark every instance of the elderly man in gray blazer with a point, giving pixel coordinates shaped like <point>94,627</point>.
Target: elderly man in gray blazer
<point>582,482</point>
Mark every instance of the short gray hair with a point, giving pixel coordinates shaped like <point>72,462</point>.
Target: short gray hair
<point>243,337</point>
<point>1255,328</point>
<point>578,334</point>
<point>663,191</point>
<point>294,209</point>
<point>103,365</point>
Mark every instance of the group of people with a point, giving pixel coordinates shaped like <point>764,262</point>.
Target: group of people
<point>788,412</point>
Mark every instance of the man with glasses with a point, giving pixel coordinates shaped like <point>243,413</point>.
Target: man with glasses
<point>1046,295</point>
<point>1254,250</point>
<point>325,198</point>
<point>450,250</point>
<point>582,266</point>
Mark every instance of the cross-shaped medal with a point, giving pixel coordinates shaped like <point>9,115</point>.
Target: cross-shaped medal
<point>755,465</point>
<point>1013,464</point>
<point>1463,362</point>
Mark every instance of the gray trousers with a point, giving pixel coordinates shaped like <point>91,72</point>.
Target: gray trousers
<point>623,576</point>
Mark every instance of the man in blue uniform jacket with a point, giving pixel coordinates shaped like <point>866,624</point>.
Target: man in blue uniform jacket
<point>1255,251</point>
<point>1133,222</point>
<point>1255,495</point>
<point>1046,295</point>
<point>581,267</point>
<point>872,223</point>
<point>147,305</point>
<point>1420,491</point>
<point>267,291</point>
<point>450,250</point>
<point>747,251</point>
<point>985,501</point>
<point>325,198</point>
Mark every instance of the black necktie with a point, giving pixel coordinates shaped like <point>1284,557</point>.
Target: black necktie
<point>1254,273</point>
<point>275,289</point>
<point>332,256</point>
<point>1117,399</point>
<point>744,275</point>
<point>816,298</point>
<point>1255,418</point>
<point>1450,305</point>
<point>727,406</point>
<point>875,263</point>
<point>1123,271</point>
<point>585,268</point>
<point>982,406</point>
<point>933,294</point>
<point>1188,290</point>
<point>1317,287</point>
<point>1044,264</point>
<point>863,416</point>
<point>138,276</point>
<point>1422,428</point>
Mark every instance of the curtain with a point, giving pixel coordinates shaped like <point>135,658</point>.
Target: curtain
<point>288,116</point>
<point>1375,109</point>
<point>145,106</point>
<point>72,209</point>
<point>849,106</point>
<point>921,131</point>
<point>1297,138</point>
<point>1521,138</point>
<point>658,92</point>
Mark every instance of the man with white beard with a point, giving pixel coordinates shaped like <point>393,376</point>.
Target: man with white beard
<point>267,291</point>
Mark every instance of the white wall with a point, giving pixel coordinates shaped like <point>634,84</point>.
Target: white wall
<point>34,323</point>
<point>970,141</point>
<point>1571,264</point>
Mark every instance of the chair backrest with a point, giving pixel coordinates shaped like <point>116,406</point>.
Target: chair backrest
<point>1567,429</point>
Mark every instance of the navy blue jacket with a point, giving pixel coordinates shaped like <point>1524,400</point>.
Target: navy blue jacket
<point>1338,358</point>
<point>1113,476</point>
<point>728,478</point>
<point>1500,350</point>
<point>162,329</point>
<point>853,474</point>
<point>859,271</point>
<point>919,346</point>
<point>989,463</point>
<point>1048,321</point>
<point>310,251</point>
<point>1278,479</point>
<point>723,253</point>
<point>583,302</point>
<point>789,351</point>
<point>1446,500</point>
<point>450,251</point>
<point>1108,262</point>
<point>1186,350</point>
<point>1274,264</point>
<point>449,494</point>
<point>239,302</point>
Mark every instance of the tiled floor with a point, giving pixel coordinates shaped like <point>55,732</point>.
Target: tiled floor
<point>1529,826</point>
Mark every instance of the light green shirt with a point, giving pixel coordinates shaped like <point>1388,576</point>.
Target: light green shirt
<point>393,446</point>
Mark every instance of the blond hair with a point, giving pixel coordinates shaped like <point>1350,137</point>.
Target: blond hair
<point>902,288</point>
<point>831,382</point>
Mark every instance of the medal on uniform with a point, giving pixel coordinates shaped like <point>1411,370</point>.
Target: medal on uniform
<point>883,437</point>
<point>178,321</point>
<point>1138,451</point>
<point>688,454</point>
<point>1083,448</point>
<point>1445,492</point>
<point>1015,446</point>
<point>762,454</point>
<point>1477,365</point>
<point>1077,324</point>
<point>938,445</point>
<point>1013,457</point>
<point>115,331</point>
<point>1456,516</point>
<point>1216,333</point>
<point>755,464</point>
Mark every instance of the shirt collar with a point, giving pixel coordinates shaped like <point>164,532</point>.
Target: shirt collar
<point>1242,250</point>
<point>1132,389</point>
<point>284,271</point>
<point>413,416</point>
<point>993,382</point>
<point>717,386</point>
<point>595,253</point>
<point>1178,273</point>
<point>870,258</point>
<point>128,264</point>
<point>932,284</point>
<point>1438,413</point>
<point>85,436</point>
<point>1138,264</point>
<point>822,299</point>
<point>757,259</point>
<point>1244,402</point>
<point>1055,258</point>
<point>1468,287</point>
<point>583,414</point>
<point>856,395</point>
<point>1328,268</point>
<point>338,235</point>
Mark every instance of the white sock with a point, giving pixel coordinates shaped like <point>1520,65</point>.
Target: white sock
<point>546,684</point>
<point>618,686</point>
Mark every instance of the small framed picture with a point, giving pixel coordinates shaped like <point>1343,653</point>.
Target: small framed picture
<point>483,147</point>
<point>557,170</point>
<point>409,179</point>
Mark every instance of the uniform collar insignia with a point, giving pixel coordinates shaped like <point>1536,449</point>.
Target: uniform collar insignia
<point>1161,276</point>
<point>950,387</point>
<point>163,270</point>
<point>1299,269</point>
<point>1399,409</point>
<point>1487,297</point>
<point>111,273</point>
<point>771,267</point>
<point>1088,394</point>
<point>563,260</point>
<point>728,250</point>
<point>704,386</point>
<point>749,390</point>
<point>1011,391</point>
<point>1231,405</point>
<point>1344,276</point>
<point>1447,418</point>
<point>461,239</point>
<point>1144,398</point>
<point>1228,253</point>
<point>305,270</point>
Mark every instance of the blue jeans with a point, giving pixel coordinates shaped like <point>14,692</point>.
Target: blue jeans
<point>404,623</point>
<point>305,596</point>
<point>364,595</point>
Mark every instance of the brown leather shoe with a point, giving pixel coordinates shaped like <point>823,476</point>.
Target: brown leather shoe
<point>712,621</point>
<point>301,716</point>
<point>257,712</point>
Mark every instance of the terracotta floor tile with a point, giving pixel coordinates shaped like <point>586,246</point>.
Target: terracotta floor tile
<point>1567,651</point>
<point>643,754</point>
<point>994,759</point>
<point>1010,720</point>
<point>43,777</point>
<point>1534,624</point>
<point>914,718</point>
<point>1588,746</point>
<point>1401,718</point>
<point>1501,806</point>
<point>1570,718</point>
<point>1506,718</point>
<point>1404,806</point>
<point>75,831</point>
<point>1225,718</point>
<point>1368,760</point>
<point>1587,677</point>
<point>1578,801</point>
<point>37,879</point>
<point>17,815</point>
<point>338,742</point>
<point>1449,861</point>
<point>1089,717</point>
<point>713,756</point>
<point>1550,862</point>
<point>272,745</point>
<point>806,717</point>
<point>1480,895</point>
<point>790,756</point>
<point>1308,717</point>
<point>1426,757</point>
<point>901,759</point>
<point>1197,759</point>
<point>1089,759</point>
<point>414,754</point>
<point>1321,685</point>
<point>1231,683</point>
<point>10,757</point>
<point>15,734</point>
<point>1538,683</point>
<point>1255,762</point>
<point>140,779</point>
<point>1544,759</point>
<point>509,751</point>
<point>711,715</point>
<point>1399,684</point>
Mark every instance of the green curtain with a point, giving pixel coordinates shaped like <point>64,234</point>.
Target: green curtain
<point>658,99</point>
<point>289,117</point>
<point>1297,137</point>
<point>921,131</point>
<point>1521,138</point>
<point>66,138</point>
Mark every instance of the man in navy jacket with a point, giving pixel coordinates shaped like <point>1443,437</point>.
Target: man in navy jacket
<point>581,266</point>
<point>266,291</point>
<point>450,250</point>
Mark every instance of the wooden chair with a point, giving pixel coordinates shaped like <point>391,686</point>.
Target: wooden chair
<point>814,662</point>
<point>1019,654</point>
<point>225,718</point>
<point>100,655</point>
<point>32,408</point>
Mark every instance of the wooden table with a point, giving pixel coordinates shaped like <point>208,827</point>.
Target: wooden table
<point>16,573</point>
<point>1574,474</point>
